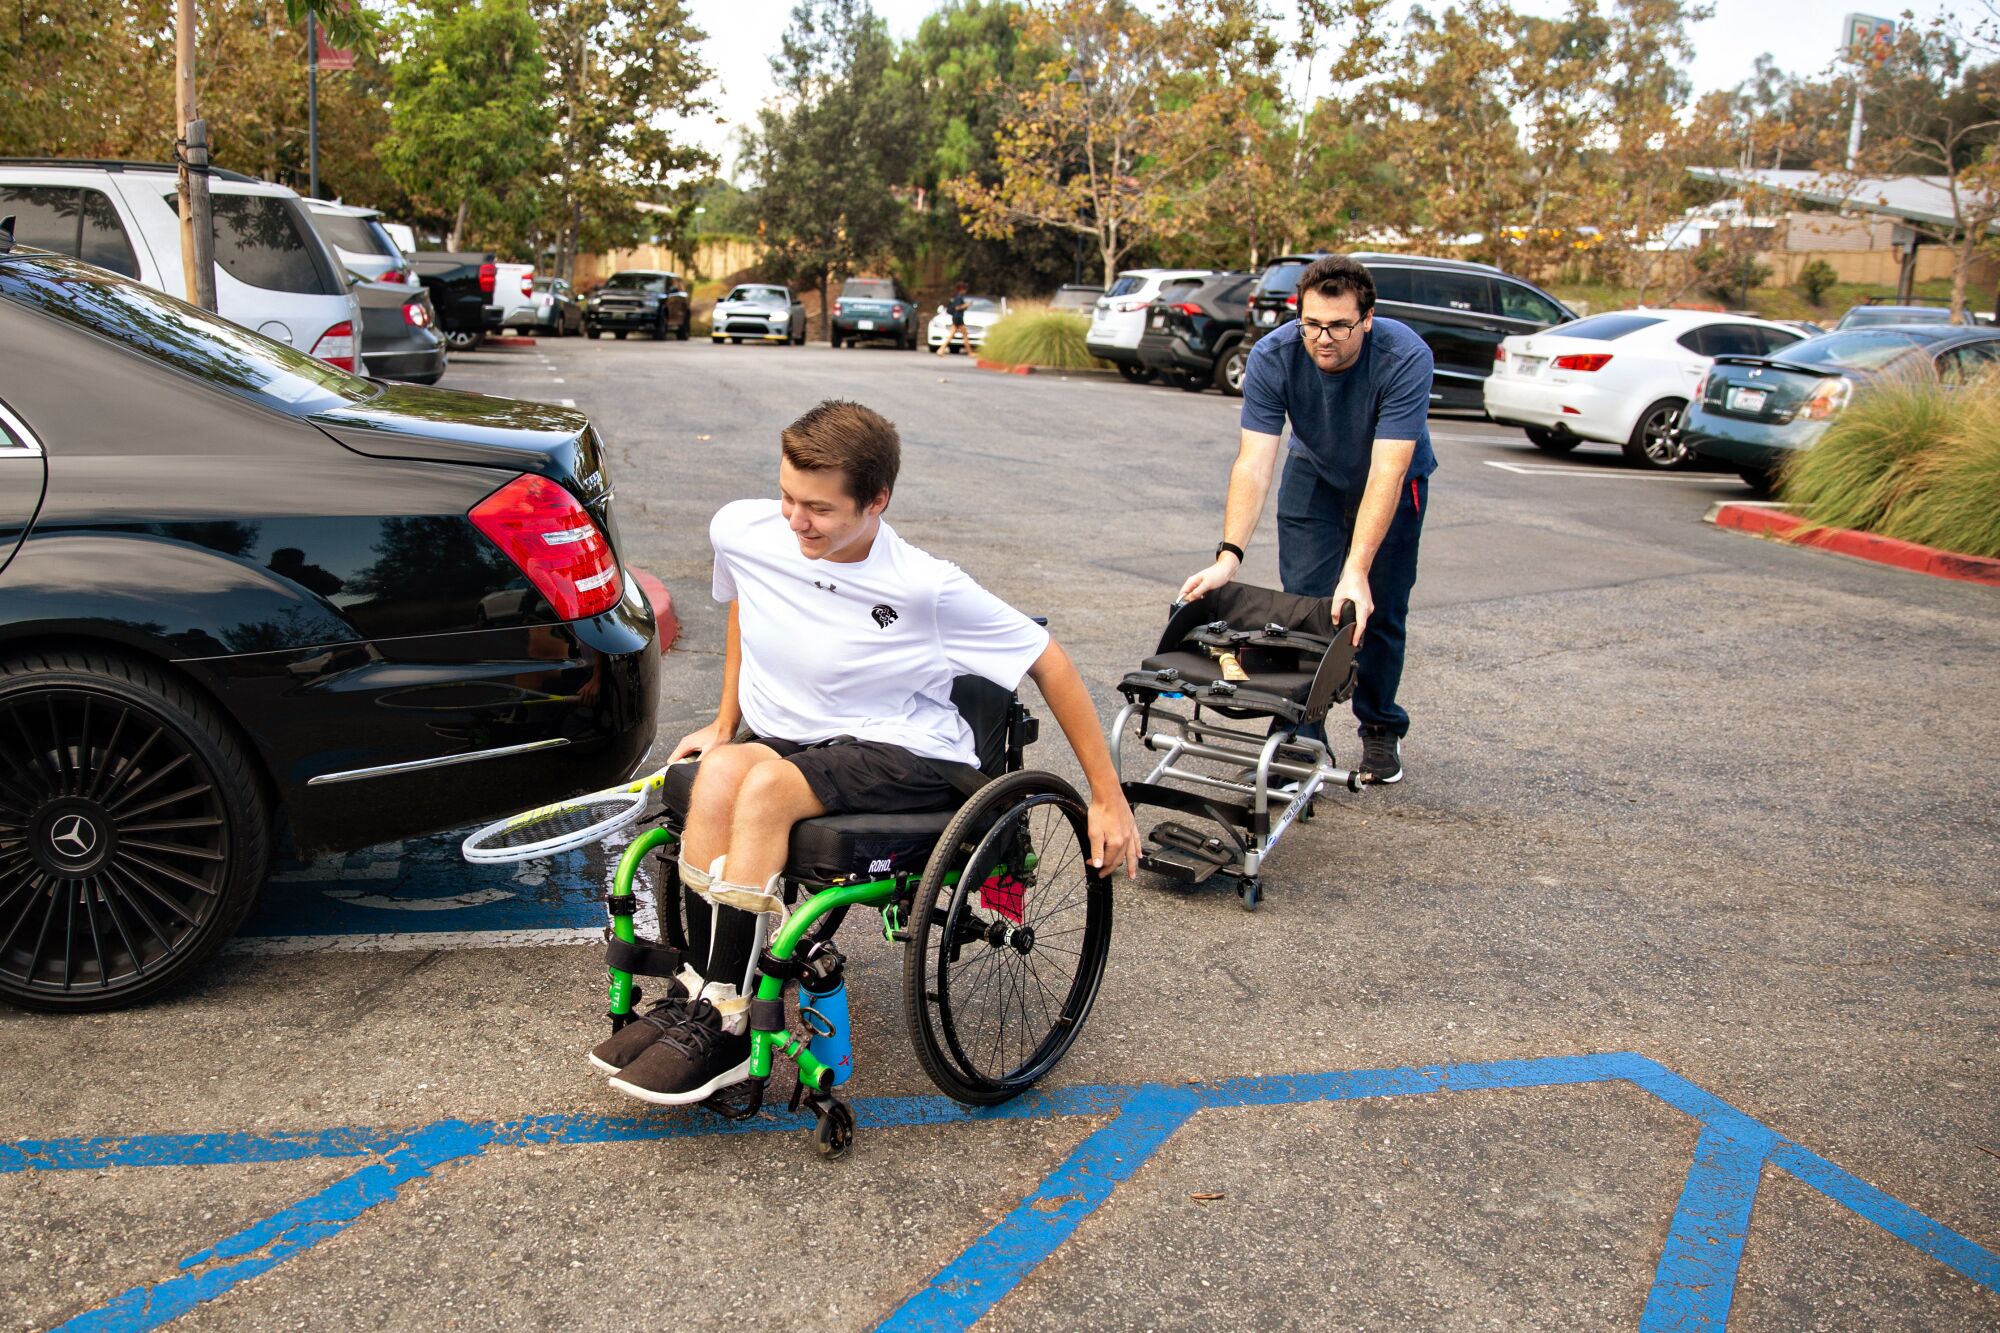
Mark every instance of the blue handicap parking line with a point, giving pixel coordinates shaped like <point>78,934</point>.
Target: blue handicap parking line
<point>423,886</point>
<point>1693,1283</point>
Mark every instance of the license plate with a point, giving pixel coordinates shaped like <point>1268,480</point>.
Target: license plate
<point>1159,321</point>
<point>1267,317</point>
<point>1532,365</point>
<point>1746,400</point>
<point>864,324</point>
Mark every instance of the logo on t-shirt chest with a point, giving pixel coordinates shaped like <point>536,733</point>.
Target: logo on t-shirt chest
<point>885,615</point>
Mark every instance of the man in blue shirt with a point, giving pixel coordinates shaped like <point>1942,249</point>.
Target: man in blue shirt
<point>1356,390</point>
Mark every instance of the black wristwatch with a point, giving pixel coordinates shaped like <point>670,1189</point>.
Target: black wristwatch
<point>1230,547</point>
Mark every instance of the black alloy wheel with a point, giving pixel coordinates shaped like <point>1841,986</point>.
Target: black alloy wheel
<point>1656,438</point>
<point>134,833</point>
<point>1230,370</point>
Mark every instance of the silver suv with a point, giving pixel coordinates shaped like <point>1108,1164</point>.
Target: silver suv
<point>273,273</point>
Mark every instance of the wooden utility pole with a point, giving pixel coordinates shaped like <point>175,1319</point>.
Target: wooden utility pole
<point>197,219</point>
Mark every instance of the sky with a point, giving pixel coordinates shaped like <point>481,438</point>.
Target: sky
<point>1803,35</point>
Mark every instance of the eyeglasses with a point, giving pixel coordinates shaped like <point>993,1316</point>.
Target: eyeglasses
<point>1339,331</point>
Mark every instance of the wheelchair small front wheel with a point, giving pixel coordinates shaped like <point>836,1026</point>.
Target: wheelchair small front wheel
<point>1007,940</point>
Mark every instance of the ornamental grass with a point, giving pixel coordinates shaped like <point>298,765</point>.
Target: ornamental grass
<point>1038,336</point>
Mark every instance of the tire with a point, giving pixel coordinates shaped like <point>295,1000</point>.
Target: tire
<point>595,333</point>
<point>963,957</point>
<point>1135,374</point>
<point>1762,481</point>
<point>168,879</point>
<point>619,334</point>
<point>1230,368</point>
<point>458,340</point>
<point>686,327</point>
<point>425,379</point>
<point>833,341</point>
<point>1656,441</point>
<point>1551,442</point>
<point>1190,383</point>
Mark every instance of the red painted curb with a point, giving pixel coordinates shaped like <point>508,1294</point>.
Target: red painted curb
<point>509,340</point>
<point>1003,368</point>
<point>1898,554</point>
<point>663,607</point>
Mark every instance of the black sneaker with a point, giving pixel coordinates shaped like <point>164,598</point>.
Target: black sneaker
<point>689,1061</point>
<point>1381,757</point>
<point>622,1047</point>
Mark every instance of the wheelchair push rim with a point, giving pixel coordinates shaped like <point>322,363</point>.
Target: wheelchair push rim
<point>1008,940</point>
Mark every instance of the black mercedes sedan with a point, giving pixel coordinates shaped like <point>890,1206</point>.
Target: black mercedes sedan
<point>240,586</point>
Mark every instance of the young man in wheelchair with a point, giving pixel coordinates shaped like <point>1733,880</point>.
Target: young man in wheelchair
<point>843,644</point>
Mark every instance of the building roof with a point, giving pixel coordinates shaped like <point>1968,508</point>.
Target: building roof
<point>1925,199</point>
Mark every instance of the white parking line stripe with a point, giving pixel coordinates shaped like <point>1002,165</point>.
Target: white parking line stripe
<point>1604,474</point>
<point>413,940</point>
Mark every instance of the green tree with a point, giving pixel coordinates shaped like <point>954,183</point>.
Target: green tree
<point>87,78</point>
<point>618,71</point>
<point>469,130</point>
<point>830,155</point>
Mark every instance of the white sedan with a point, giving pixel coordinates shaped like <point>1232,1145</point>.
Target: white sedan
<point>760,312</point>
<point>1621,378</point>
<point>981,314</point>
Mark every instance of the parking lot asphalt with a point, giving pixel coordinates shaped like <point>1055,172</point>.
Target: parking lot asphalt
<point>1662,992</point>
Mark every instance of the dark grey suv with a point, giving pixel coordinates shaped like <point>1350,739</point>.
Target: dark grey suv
<point>1461,309</point>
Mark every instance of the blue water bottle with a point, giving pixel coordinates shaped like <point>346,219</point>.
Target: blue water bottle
<point>827,1021</point>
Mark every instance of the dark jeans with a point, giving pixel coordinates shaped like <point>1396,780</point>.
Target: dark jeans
<point>1315,524</point>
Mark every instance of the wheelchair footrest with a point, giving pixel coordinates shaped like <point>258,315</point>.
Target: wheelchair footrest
<point>1187,854</point>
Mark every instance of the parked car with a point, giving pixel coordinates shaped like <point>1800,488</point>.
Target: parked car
<point>1751,411</point>
<point>1461,310</point>
<point>251,591</point>
<point>1620,378</point>
<point>399,334</point>
<point>1119,319</point>
<point>870,309</point>
<point>1076,296</point>
<point>981,314</point>
<point>1194,338</point>
<point>638,300</point>
<point>761,311</point>
<point>360,241</point>
<point>1876,313</point>
<point>512,297</point>
<point>556,311</point>
<point>273,273</point>
<point>459,283</point>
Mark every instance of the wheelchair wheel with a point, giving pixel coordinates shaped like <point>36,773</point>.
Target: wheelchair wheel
<point>1007,940</point>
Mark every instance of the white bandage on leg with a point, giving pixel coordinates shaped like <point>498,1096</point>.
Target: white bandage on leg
<point>695,879</point>
<point>767,899</point>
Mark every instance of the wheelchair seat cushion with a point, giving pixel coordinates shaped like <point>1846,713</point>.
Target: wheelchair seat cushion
<point>836,846</point>
<point>1201,669</point>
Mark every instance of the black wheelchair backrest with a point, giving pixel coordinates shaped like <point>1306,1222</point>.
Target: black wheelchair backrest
<point>985,708</point>
<point>1247,606</point>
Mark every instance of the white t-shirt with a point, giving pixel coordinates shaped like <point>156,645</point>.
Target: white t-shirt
<point>867,649</point>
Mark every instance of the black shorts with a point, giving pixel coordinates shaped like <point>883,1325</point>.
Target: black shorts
<point>852,777</point>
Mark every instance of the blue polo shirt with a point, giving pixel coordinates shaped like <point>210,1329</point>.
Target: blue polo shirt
<point>1336,419</point>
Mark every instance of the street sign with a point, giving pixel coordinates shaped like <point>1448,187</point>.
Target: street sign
<point>1868,40</point>
<point>330,57</point>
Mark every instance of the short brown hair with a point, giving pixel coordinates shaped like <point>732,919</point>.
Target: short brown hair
<point>860,443</point>
<point>1337,275</point>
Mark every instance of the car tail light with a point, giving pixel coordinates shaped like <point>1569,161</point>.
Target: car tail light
<point>1583,361</point>
<point>895,312</point>
<point>416,314</point>
<point>1827,398</point>
<point>1186,307</point>
<point>1292,301</point>
<point>1499,354</point>
<point>486,279</point>
<point>528,283</point>
<point>1701,387</point>
<point>407,277</point>
<point>551,536</point>
<point>336,346</point>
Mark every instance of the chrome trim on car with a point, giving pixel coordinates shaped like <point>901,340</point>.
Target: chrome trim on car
<point>442,761</point>
<point>17,441</point>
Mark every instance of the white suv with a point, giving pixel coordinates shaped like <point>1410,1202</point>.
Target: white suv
<point>273,273</point>
<point>1120,317</point>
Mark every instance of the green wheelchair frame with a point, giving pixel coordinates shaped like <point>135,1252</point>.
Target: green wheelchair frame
<point>1016,835</point>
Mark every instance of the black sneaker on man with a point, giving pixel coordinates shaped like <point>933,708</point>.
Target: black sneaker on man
<point>689,1062</point>
<point>622,1047</point>
<point>1381,757</point>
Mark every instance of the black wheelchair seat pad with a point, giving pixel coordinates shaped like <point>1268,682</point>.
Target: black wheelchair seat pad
<point>834,847</point>
<point>1201,669</point>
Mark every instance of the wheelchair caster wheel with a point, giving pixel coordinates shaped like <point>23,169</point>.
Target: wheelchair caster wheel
<point>1251,891</point>
<point>833,1132</point>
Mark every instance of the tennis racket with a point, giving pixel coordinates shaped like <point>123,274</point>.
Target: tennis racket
<point>566,825</point>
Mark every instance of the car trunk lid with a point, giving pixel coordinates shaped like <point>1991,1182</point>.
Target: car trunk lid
<point>1750,388</point>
